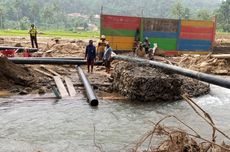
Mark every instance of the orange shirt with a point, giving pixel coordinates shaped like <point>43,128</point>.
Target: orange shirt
<point>140,52</point>
<point>101,46</point>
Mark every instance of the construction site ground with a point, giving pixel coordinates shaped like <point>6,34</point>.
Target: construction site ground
<point>24,79</point>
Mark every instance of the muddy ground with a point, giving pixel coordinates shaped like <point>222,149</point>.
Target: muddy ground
<point>25,79</point>
<point>33,81</point>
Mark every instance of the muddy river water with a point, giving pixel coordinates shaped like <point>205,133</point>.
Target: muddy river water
<point>31,124</point>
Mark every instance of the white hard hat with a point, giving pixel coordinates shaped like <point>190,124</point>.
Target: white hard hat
<point>107,43</point>
<point>102,36</point>
<point>146,38</point>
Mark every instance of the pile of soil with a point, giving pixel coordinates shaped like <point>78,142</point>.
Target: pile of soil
<point>143,83</point>
<point>206,64</point>
<point>56,47</point>
<point>12,74</point>
<point>21,79</point>
<point>67,49</point>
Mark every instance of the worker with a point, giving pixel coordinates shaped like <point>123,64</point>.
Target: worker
<point>137,34</point>
<point>140,51</point>
<point>135,45</point>
<point>33,36</point>
<point>107,57</point>
<point>101,47</point>
<point>146,45</point>
<point>136,40</point>
<point>90,55</point>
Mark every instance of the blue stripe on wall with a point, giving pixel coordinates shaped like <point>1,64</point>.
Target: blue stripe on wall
<point>161,34</point>
<point>194,42</point>
<point>195,47</point>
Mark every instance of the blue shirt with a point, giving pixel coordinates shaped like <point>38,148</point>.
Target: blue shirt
<point>90,52</point>
<point>107,53</point>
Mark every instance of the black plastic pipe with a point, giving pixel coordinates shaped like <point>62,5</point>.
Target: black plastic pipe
<point>92,99</point>
<point>212,79</point>
<point>20,49</point>
<point>49,61</point>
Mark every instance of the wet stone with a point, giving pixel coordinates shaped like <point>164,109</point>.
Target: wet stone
<point>23,92</point>
<point>42,90</point>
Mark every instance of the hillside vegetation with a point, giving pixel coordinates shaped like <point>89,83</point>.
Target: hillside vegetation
<point>52,14</point>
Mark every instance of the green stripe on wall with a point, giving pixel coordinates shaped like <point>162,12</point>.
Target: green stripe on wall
<point>114,32</point>
<point>164,43</point>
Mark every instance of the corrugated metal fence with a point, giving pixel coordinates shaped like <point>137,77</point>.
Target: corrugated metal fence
<point>171,35</point>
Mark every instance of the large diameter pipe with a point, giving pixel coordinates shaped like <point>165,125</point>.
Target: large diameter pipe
<point>212,79</point>
<point>20,49</point>
<point>49,58</point>
<point>92,99</point>
<point>50,61</point>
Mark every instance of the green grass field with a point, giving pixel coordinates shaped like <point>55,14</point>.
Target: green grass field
<point>65,34</point>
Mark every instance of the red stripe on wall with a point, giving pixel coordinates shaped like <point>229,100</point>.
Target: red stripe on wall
<point>197,36</point>
<point>214,32</point>
<point>189,29</point>
<point>121,22</point>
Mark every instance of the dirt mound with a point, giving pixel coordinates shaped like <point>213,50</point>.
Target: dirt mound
<point>12,74</point>
<point>67,49</point>
<point>150,84</point>
<point>206,64</point>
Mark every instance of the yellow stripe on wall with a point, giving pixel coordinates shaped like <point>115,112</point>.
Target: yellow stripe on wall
<point>120,39</point>
<point>121,46</point>
<point>194,23</point>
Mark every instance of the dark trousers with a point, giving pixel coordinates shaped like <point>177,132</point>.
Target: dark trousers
<point>33,40</point>
<point>90,62</point>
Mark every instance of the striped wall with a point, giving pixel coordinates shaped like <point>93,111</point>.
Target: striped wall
<point>196,35</point>
<point>170,35</point>
<point>164,32</point>
<point>120,30</point>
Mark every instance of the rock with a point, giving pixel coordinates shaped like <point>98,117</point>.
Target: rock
<point>23,92</point>
<point>110,79</point>
<point>15,90</point>
<point>73,41</point>
<point>146,83</point>
<point>42,90</point>
<point>18,45</point>
<point>28,89</point>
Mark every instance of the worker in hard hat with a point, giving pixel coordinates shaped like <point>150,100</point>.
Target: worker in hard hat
<point>33,36</point>
<point>101,47</point>
<point>107,57</point>
<point>146,45</point>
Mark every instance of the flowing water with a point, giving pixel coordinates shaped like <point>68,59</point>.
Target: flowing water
<point>31,124</point>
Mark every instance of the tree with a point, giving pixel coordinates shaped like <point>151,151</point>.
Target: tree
<point>34,10</point>
<point>2,12</point>
<point>18,11</point>
<point>203,14</point>
<point>24,23</point>
<point>178,9</point>
<point>47,15</point>
<point>223,15</point>
<point>53,13</point>
<point>186,14</point>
